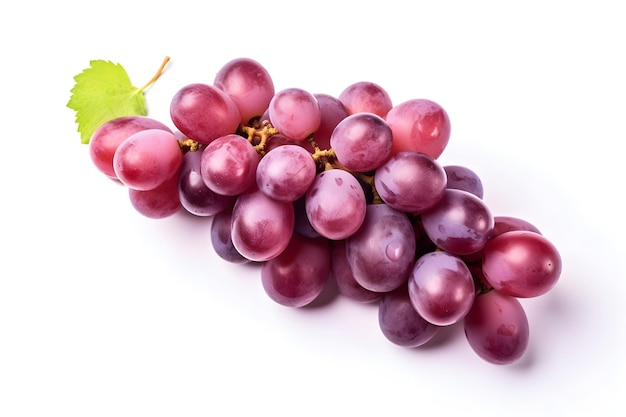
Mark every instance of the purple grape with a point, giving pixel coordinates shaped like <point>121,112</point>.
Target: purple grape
<point>410,181</point>
<point>400,322</point>
<point>221,238</point>
<point>381,253</point>
<point>441,288</point>
<point>497,328</point>
<point>503,224</point>
<point>463,178</point>
<point>195,196</point>
<point>346,284</point>
<point>298,275</point>
<point>460,222</point>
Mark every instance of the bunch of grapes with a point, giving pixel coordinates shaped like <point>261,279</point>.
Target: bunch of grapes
<point>314,187</point>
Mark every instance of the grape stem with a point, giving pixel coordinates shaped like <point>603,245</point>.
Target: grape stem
<point>259,134</point>
<point>188,145</point>
<point>157,75</point>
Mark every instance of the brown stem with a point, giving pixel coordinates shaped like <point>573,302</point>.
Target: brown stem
<point>157,75</point>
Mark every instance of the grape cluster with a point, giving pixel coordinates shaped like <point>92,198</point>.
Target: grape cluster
<point>315,187</point>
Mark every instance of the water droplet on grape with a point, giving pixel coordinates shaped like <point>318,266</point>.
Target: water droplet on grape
<point>394,250</point>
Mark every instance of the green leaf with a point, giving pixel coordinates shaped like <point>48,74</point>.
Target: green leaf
<point>101,93</point>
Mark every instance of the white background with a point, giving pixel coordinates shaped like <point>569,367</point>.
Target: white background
<point>106,313</point>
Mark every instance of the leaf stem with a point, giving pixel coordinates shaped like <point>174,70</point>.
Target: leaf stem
<point>157,75</point>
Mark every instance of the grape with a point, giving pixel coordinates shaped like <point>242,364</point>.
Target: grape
<point>248,84</point>
<point>419,125</point>
<point>295,113</point>
<point>159,202</point>
<point>441,288</point>
<point>221,239</point>
<point>228,165</point>
<point>400,322</point>
<point>346,284</point>
<point>366,97</point>
<point>298,275</point>
<point>410,181</point>
<point>497,328</point>
<point>261,227</point>
<point>335,204</point>
<point>362,142</point>
<point>147,159</point>
<point>332,111</point>
<point>381,253</point>
<point>463,178</point>
<point>286,173</point>
<point>460,222</point>
<point>504,224</point>
<point>204,113</point>
<point>195,196</point>
<point>521,264</point>
<point>302,225</point>
<point>108,137</point>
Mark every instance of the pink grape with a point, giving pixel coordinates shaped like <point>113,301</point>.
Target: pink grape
<point>298,275</point>
<point>159,202</point>
<point>521,264</point>
<point>108,137</point>
<point>204,113</point>
<point>400,322</point>
<point>441,288</point>
<point>295,113</point>
<point>228,165</point>
<point>410,181</point>
<point>248,84</point>
<point>335,204</point>
<point>381,253</point>
<point>496,328</point>
<point>419,125</point>
<point>362,142</point>
<point>366,97</point>
<point>459,223</point>
<point>147,159</point>
<point>261,227</point>
<point>286,173</point>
